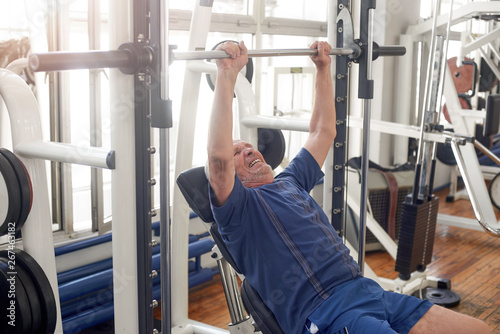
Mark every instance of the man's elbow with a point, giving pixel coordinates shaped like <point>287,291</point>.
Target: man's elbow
<point>325,133</point>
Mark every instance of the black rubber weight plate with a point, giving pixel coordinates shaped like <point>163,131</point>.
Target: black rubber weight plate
<point>24,183</point>
<point>441,297</point>
<point>494,191</point>
<point>18,321</point>
<point>13,194</point>
<point>42,284</point>
<point>34,300</point>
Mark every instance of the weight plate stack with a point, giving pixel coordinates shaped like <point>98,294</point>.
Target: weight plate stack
<point>10,195</point>
<point>34,296</point>
<point>16,316</point>
<point>24,186</point>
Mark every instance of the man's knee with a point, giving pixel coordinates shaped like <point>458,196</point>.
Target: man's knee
<point>441,320</point>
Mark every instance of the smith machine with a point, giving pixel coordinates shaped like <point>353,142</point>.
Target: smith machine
<point>147,58</point>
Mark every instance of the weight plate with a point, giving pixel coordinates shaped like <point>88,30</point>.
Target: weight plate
<point>271,144</point>
<point>247,70</point>
<point>19,320</point>
<point>34,300</point>
<point>441,297</point>
<point>25,186</point>
<point>4,301</point>
<point>43,287</point>
<point>494,191</point>
<point>464,103</point>
<point>12,199</point>
<point>463,76</point>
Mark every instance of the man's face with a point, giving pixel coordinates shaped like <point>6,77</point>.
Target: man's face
<point>252,169</point>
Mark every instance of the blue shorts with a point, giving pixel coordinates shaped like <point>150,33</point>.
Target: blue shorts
<point>362,306</point>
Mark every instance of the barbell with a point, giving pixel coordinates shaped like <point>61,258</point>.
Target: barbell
<point>130,57</point>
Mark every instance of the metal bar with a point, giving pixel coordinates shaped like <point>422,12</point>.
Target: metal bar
<point>437,117</point>
<point>219,54</point>
<point>476,206</point>
<point>141,29</point>
<point>366,92</point>
<point>165,231</point>
<point>62,152</point>
<point>341,86</point>
<point>487,152</point>
<point>131,59</point>
<point>231,291</point>
<point>390,50</point>
<point>60,61</point>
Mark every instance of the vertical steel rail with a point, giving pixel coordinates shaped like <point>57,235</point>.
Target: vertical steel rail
<point>444,65</point>
<point>340,143</point>
<point>141,36</point>
<point>165,235</point>
<point>426,102</point>
<point>365,93</point>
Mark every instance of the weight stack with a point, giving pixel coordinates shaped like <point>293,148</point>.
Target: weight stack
<point>416,236</point>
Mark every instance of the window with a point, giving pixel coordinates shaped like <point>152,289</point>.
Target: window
<point>297,9</point>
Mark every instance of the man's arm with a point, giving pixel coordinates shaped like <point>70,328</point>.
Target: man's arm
<point>322,127</point>
<point>220,141</point>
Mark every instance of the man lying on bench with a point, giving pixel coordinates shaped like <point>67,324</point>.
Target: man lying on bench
<point>281,239</point>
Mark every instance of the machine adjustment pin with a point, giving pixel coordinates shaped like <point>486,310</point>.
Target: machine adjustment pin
<point>152,182</point>
<point>154,274</point>
<point>154,303</point>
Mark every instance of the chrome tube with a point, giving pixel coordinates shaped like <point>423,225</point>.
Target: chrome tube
<point>473,199</point>
<point>164,147</point>
<point>219,54</point>
<point>232,292</point>
<point>367,105</point>
<point>486,151</point>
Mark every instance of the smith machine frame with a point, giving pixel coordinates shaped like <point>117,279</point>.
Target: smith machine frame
<point>147,58</point>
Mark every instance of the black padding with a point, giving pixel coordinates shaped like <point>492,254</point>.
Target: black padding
<point>271,143</point>
<point>193,184</point>
<point>261,314</point>
<point>492,120</point>
<point>214,231</point>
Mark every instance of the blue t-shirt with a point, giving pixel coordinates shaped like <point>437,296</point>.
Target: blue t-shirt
<point>283,243</point>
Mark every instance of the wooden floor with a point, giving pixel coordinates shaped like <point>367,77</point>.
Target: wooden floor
<point>470,259</point>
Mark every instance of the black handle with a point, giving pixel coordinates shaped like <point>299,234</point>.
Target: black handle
<point>388,50</point>
<point>474,81</point>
